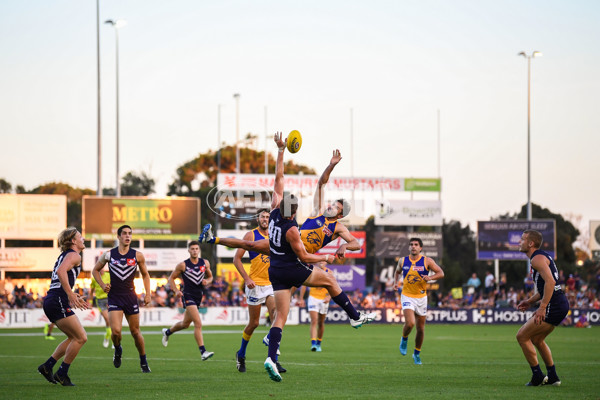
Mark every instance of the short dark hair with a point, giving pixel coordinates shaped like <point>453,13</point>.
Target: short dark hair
<point>346,207</point>
<point>288,205</point>
<point>262,210</point>
<point>121,229</point>
<point>535,236</point>
<point>193,242</point>
<point>415,239</point>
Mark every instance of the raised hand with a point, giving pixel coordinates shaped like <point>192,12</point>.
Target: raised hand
<point>279,141</point>
<point>336,158</point>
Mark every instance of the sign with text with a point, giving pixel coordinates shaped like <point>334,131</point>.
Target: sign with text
<point>395,244</point>
<point>295,183</point>
<point>409,213</point>
<point>28,259</point>
<point>499,240</point>
<point>169,218</point>
<point>32,216</point>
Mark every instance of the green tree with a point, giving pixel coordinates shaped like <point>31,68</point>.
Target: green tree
<point>5,186</point>
<point>137,185</point>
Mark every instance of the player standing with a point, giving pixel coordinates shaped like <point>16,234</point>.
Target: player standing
<point>196,275</point>
<point>59,304</point>
<point>415,274</point>
<point>553,308</point>
<point>123,262</point>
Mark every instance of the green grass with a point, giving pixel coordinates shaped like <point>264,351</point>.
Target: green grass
<point>459,361</point>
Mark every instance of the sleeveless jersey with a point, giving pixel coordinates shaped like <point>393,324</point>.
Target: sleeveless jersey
<point>55,286</point>
<point>282,254</point>
<point>319,292</point>
<point>122,270</point>
<point>413,273</point>
<point>316,233</point>
<point>539,281</point>
<point>259,263</point>
<point>100,294</point>
<point>193,276</point>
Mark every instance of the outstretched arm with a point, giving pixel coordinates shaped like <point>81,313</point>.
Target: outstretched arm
<point>293,238</point>
<point>237,262</point>
<point>278,187</point>
<point>319,200</point>
<point>351,242</point>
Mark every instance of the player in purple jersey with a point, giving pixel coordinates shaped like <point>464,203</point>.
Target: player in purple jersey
<point>553,308</point>
<point>59,305</point>
<point>123,262</point>
<point>289,265</point>
<point>196,275</point>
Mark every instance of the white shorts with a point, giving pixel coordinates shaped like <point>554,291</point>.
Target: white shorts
<point>419,306</point>
<point>318,305</point>
<point>258,295</point>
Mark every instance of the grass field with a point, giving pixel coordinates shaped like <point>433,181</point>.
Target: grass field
<point>459,362</point>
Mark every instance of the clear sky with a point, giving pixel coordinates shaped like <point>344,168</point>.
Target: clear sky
<point>395,63</point>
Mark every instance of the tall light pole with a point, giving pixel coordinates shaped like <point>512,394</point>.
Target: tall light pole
<point>99,134</point>
<point>119,23</point>
<point>529,57</point>
<point>236,96</point>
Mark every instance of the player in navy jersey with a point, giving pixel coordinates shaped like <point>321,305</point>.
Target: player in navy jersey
<point>123,262</point>
<point>553,308</point>
<point>59,304</point>
<point>289,265</point>
<point>196,275</point>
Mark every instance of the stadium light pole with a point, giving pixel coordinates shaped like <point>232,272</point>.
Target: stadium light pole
<point>99,133</point>
<point>236,96</point>
<point>529,57</point>
<point>119,23</point>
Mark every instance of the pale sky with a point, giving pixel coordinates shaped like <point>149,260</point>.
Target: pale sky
<point>395,63</point>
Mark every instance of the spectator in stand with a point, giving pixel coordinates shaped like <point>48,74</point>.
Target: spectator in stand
<point>368,301</point>
<point>512,298</point>
<point>474,282</point>
<point>571,283</point>
<point>528,283</point>
<point>582,322</point>
<point>489,283</point>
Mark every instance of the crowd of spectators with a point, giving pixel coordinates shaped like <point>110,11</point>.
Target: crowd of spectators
<point>474,294</point>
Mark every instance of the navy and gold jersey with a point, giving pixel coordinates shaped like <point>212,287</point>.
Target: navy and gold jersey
<point>316,233</point>
<point>55,285</point>
<point>122,268</point>
<point>259,263</point>
<point>192,276</point>
<point>281,253</point>
<point>413,273</point>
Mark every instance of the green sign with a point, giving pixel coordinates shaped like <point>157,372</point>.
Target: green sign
<point>423,184</point>
<point>174,219</point>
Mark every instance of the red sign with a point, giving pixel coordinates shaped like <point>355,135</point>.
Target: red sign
<point>335,244</point>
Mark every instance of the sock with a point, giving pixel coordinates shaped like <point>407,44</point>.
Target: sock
<point>319,341</point>
<point>343,301</point>
<point>405,339</point>
<point>202,349</point>
<point>417,351</point>
<point>168,332</point>
<point>51,362</point>
<point>537,370</point>
<point>63,370</point>
<point>313,341</point>
<point>108,332</point>
<point>143,360</point>
<point>245,340</point>
<point>551,371</point>
<point>118,350</point>
<point>274,340</point>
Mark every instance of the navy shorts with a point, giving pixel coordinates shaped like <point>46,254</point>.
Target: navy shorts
<point>128,303</point>
<point>557,310</point>
<point>288,277</point>
<point>191,300</point>
<point>57,307</point>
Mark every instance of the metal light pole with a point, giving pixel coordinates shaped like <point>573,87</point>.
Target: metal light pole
<point>99,134</point>
<point>236,96</point>
<point>529,57</point>
<point>218,139</point>
<point>119,23</point>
